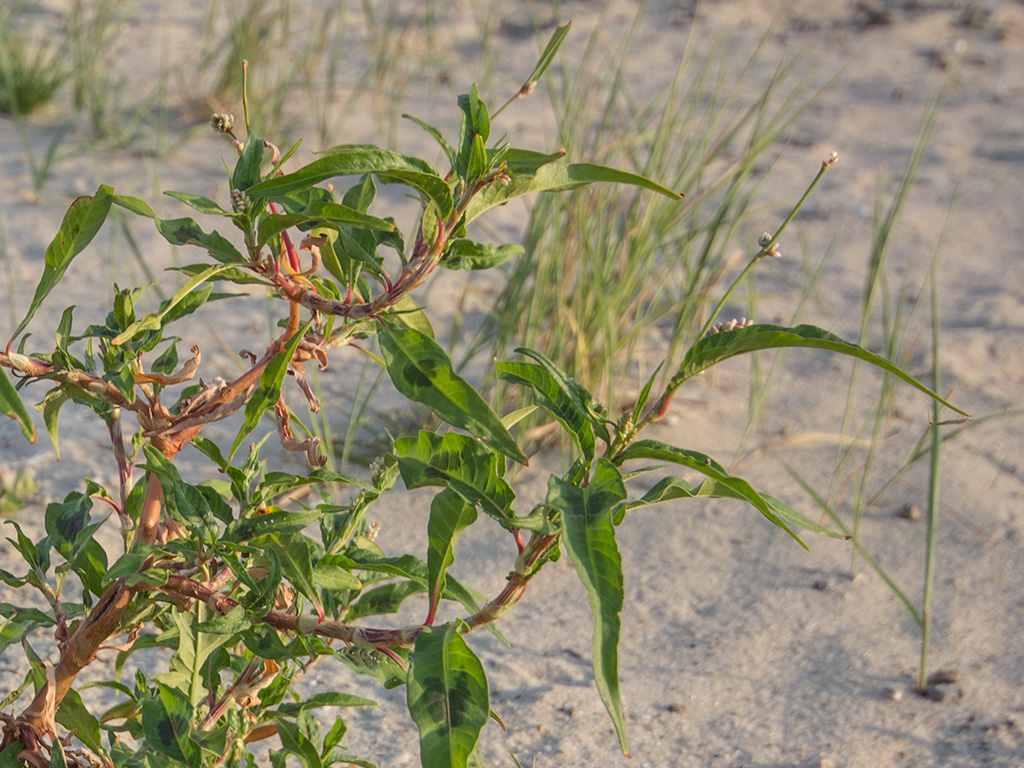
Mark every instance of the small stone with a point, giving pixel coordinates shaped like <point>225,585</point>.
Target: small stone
<point>894,693</point>
<point>820,584</point>
<point>908,512</point>
<point>831,761</point>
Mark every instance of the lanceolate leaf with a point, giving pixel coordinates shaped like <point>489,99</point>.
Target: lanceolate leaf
<point>581,397</point>
<point>721,346</point>
<point>450,515</point>
<point>269,389</point>
<point>12,407</point>
<point>726,483</point>
<point>556,399</point>
<point>466,254</point>
<point>156,320</point>
<point>671,488</point>
<point>166,724</point>
<point>589,537</point>
<point>459,463</point>
<point>555,177</point>
<point>80,225</point>
<point>448,697</point>
<point>360,159</point>
<point>184,231</point>
<point>421,371</point>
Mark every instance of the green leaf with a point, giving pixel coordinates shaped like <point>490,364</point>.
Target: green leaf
<point>372,663</point>
<point>408,567</point>
<point>558,176</point>
<point>80,225</point>
<point>52,404</point>
<point>12,407</point>
<point>244,530</point>
<point>548,55</point>
<point>328,699</point>
<point>66,521</point>
<point>582,399</point>
<point>421,371</point>
<point>471,162</point>
<point>263,594</point>
<point>726,484</point>
<point>186,503</point>
<point>459,463</point>
<point>184,231</point>
<point>466,254</point>
<point>672,488</point>
<point>450,515</point>
<point>721,346</point>
<point>265,642</point>
<point>350,160</point>
<point>247,169</point>
<point>166,723</point>
<point>360,196</point>
<point>438,137</point>
<point>200,203</point>
<point>74,716</point>
<point>297,566</point>
<point>269,390</point>
<point>156,321</point>
<point>57,757</point>
<point>295,743</point>
<point>384,599</point>
<point>335,577</point>
<point>194,648</point>
<point>589,536</point>
<point>448,697</point>
<point>556,398</point>
<point>410,314</point>
<point>343,214</point>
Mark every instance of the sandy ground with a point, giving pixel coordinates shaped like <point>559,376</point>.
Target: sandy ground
<point>739,648</point>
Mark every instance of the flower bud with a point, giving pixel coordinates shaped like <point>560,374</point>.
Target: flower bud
<point>222,122</point>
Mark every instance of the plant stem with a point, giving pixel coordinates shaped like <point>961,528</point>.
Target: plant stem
<point>769,246</point>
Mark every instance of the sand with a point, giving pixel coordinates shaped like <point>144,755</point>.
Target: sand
<point>739,648</point>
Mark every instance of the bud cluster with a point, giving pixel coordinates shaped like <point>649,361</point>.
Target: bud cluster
<point>731,325</point>
<point>240,201</point>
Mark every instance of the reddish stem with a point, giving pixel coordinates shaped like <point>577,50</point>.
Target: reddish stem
<point>293,256</point>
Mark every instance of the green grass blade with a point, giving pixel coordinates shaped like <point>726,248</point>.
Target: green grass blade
<point>448,697</point>
<point>589,536</point>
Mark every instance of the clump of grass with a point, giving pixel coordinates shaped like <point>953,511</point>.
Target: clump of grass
<point>32,68</point>
<point>92,38</point>
<point>17,488</point>
<point>603,266</point>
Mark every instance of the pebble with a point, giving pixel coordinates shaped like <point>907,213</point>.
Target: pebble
<point>909,512</point>
<point>894,693</point>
